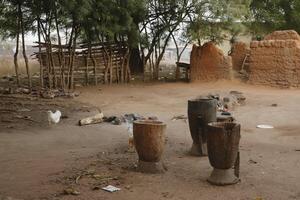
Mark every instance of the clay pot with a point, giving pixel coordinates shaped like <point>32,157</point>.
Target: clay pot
<point>200,112</point>
<point>223,150</point>
<point>149,139</point>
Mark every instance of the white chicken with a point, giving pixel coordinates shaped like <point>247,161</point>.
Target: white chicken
<point>54,117</point>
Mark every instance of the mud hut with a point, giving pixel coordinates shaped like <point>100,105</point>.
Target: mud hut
<point>275,61</point>
<point>209,63</point>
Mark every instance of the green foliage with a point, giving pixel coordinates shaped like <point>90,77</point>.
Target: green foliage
<point>270,15</point>
<point>214,20</point>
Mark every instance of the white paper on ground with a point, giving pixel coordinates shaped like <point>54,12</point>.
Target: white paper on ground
<point>265,126</point>
<point>111,188</point>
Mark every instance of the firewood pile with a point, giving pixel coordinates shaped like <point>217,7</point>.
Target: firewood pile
<point>87,64</point>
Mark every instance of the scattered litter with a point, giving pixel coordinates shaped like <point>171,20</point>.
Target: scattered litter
<point>24,117</point>
<point>6,90</point>
<point>214,96</point>
<point>71,191</point>
<point>23,110</point>
<point>179,117</point>
<point>54,117</point>
<point>117,121</point>
<point>133,116</point>
<point>85,173</point>
<point>127,118</point>
<point>22,91</point>
<point>48,94</point>
<point>51,94</point>
<point>97,176</point>
<point>114,119</point>
<point>228,102</point>
<point>165,194</point>
<point>97,187</point>
<point>111,188</point>
<point>128,187</point>
<point>241,99</point>
<point>225,117</point>
<point>77,179</point>
<point>7,121</point>
<point>154,118</point>
<point>104,177</point>
<point>226,99</point>
<point>264,126</point>
<point>109,119</point>
<point>252,161</point>
<point>226,113</point>
<point>98,118</point>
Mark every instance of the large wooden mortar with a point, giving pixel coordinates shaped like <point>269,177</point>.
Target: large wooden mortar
<point>223,152</point>
<point>201,112</point>
<point>149,141</point>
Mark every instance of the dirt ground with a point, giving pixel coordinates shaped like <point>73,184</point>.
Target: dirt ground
<point>38,161</point>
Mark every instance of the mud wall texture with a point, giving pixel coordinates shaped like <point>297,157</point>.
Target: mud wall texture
<point>208,63</point>
<point>238,52</point>
<point>275,61</point>
<point>283,35</point>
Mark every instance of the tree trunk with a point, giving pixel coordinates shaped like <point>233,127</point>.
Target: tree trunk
<point>40,54</point>
<point>161,55</point>
<point>16,55</point>
<point>60,52</point>
<point>71,86</point>
<point>135,61</point>
<point>24,48</point>
<point>128,72</point>
<point>95,68</point>
<point>48,63</point>
<point>107,61</point>
<point>123,68</point>
<point>88,55</point>
<point>52,63</point>
<point>70,57</point>
<point>111,67</point>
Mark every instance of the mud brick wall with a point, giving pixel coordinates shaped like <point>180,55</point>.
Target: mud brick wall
<point>283,35</point>
<point>238,53</point>
<point>208,63</point>
<point>276,60</point>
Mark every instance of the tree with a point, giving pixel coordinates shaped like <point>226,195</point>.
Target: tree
<point>16,20</point>
<point>270,15</point>
<point>214,20</point>
<point>10,28</point>
<point>146,26</point>
<point>162,20</point>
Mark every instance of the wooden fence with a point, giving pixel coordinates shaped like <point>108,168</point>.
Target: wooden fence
<point>62,66</point>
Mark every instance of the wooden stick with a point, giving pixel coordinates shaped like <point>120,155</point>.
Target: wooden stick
<point>98,118</point>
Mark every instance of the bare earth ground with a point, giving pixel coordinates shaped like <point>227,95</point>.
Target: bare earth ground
<point>38,161</point>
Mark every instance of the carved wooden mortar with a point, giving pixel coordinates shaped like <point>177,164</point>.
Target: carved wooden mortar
<point>223,152</point>
<point>149,141</point>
